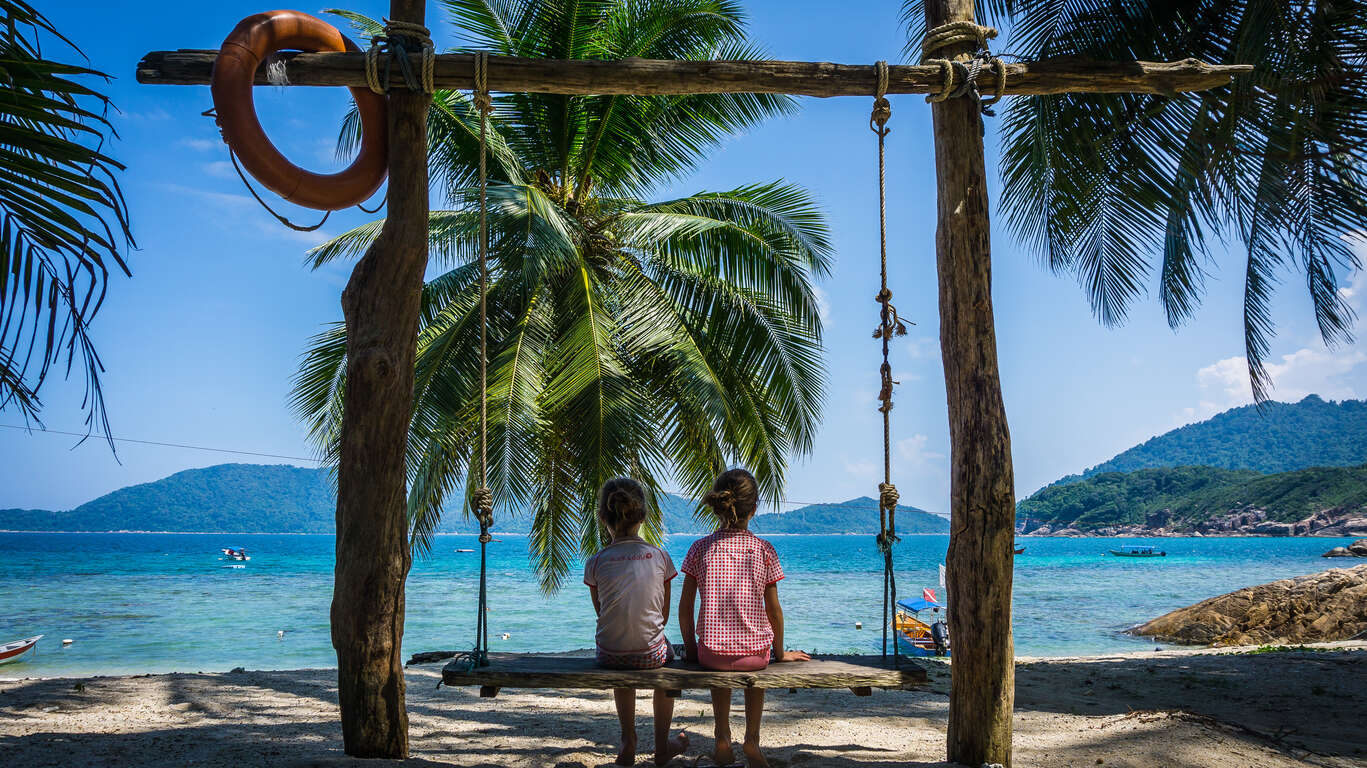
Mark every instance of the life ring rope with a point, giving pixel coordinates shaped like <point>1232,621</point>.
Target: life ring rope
<point>250,44</point>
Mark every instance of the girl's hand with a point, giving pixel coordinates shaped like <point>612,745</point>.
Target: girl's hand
<point>794,656</point>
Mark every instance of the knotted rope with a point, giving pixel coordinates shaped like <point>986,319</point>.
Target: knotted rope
<point>400,39</point>
<point>961,78</point>
<point>482,499</point>
<point>889,325</point>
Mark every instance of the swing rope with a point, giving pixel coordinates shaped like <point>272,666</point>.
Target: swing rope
<point>482,499</point>
<point>889,325</point>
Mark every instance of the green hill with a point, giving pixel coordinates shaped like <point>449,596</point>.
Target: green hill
<point>1280,438</point>
<point>256,498</point>
<point>1182,498</point>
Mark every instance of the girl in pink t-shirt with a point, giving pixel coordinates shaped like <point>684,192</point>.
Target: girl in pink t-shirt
<point>628,581</point>
<point>740,623</point>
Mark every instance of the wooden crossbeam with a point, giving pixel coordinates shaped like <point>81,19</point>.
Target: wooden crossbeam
<point>657,77</point>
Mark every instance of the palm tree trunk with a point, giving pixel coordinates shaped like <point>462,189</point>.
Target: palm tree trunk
<point>982,499</point>
<point>381,304</point>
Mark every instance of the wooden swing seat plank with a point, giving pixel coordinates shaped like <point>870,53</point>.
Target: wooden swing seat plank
<point>512,670</point>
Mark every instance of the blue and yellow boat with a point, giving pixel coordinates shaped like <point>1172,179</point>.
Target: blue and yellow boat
<point>915,635</point>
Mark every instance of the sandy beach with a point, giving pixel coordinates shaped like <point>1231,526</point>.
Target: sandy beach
<point>1170,708</point>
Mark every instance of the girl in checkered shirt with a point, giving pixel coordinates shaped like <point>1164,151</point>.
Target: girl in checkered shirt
<point>628,581</point>
<point>740,624</point>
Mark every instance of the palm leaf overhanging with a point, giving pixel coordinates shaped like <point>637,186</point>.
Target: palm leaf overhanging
<point>659,339</point>
<point>1109,187</point>
<point>62,215</point>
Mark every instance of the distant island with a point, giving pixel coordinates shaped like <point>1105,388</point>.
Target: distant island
<point>1291,469</point>
<point>260,498</point>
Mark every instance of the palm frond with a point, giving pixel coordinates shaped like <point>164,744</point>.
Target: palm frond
<point>63,219</point>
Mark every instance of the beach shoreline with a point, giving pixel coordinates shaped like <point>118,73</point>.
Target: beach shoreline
<point>1181,707</point>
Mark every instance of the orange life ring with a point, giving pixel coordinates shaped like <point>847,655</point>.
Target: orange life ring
<point>251,41</point>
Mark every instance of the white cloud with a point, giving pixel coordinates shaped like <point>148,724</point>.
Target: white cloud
<point>862,469</point>
<point>1306,371</point>
<point>823,304</point>
<point>201,145</point>
<point>247,210</point>
<point>914,453</point>
<point>921,346</point>
<point>220,169</point>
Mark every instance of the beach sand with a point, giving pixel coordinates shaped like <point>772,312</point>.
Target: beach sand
<point>1170,708</point>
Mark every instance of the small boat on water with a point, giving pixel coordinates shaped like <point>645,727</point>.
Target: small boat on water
<point>465,550</point>
<point>15,651</point>
<point>1020,550</point>
<point>917,637</point>
<point>240,553</point>
<point>1138,550</point>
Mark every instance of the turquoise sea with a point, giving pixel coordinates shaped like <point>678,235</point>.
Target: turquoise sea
<point>134,603</point>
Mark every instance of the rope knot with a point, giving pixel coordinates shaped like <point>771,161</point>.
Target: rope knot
<point>482,504</point>
<point>887,496</point>
<point>882,108</point>
<point>959,78</point>
<point>400,38</point>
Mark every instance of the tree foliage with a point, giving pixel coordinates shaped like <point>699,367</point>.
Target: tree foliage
<point>62,215</point>
<point>1191,495</point>
<point>660,339</point>
<point>1112,188</point>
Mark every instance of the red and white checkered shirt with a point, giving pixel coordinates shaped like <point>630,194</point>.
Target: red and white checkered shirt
<point>732,569</point>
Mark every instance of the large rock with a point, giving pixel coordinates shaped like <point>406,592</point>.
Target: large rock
<point>1356,549</point>
<point>1320,607</point>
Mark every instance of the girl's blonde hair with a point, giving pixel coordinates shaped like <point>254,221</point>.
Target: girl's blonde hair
<point>621,503</point>
<point>733,498</point>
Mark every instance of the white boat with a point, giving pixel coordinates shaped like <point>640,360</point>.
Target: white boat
<point>235,554</point>
<point>18,649</point>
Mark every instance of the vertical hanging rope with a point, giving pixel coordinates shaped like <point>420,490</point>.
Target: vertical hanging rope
<point>889,325</point>
<point>482,499</point>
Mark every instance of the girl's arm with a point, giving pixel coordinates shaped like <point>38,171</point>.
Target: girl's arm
<point>775,612</point>
<point>597,607</point>
<point>686,599</point>
<point>665,608</point>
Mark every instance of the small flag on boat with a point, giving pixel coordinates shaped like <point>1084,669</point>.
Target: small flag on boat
<point>929,595</point>
<point>942,574</point>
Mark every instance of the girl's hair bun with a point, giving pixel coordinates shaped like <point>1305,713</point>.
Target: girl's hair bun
<point>734,497</point>
<point>621,504</point>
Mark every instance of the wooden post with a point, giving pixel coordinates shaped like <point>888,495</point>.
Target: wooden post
<point>982,497</point>
<point>380,304</point>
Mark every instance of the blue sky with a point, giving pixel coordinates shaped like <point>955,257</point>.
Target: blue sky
<point>202,342</point>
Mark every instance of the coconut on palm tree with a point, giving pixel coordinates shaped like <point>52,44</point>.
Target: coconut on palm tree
<point>658,338</point>
<point>62,215</point>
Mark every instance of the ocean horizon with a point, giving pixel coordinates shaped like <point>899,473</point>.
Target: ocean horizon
<point>135,603</point>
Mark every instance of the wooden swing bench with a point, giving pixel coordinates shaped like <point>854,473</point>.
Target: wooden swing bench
<point>860,674</point>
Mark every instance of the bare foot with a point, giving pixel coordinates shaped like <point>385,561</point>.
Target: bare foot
<point>722,753</point>
<point>671,749</point>
<point>753,757</point>
<point>628,754</point>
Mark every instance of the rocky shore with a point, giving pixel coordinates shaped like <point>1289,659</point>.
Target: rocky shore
<point>1356,549</point>
<point>1326,606</point>
<point>1338,521</point>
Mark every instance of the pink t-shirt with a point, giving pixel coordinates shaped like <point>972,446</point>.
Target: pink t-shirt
<point>630,576</point>
<point>732,569</point>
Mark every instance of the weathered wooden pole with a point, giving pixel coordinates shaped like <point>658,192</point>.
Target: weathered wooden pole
<point>982,496</point>
<point>380,304</point>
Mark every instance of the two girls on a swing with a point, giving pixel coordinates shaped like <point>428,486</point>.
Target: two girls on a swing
<point>739,627</point>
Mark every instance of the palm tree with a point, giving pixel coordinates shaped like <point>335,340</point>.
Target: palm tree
<point>1110,186</point>
<point>62,215</point>
<point>661,339</point>
<point>1100,184</point>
